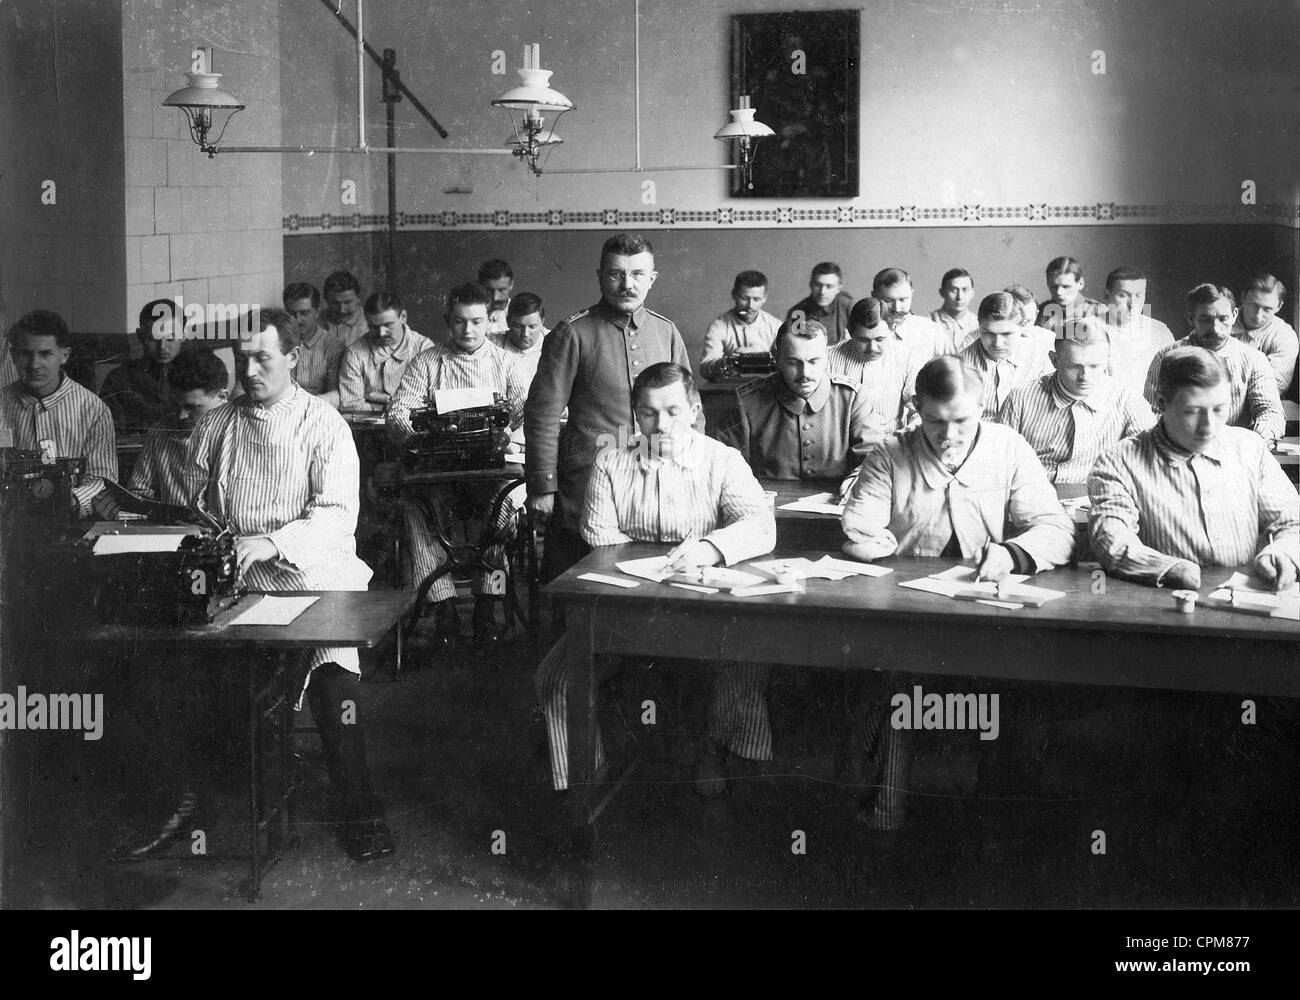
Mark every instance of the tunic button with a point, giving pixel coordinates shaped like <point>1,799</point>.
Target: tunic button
<point>636,364</point>
<point>633,347</point>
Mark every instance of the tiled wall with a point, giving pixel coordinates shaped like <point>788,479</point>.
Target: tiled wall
<point>207,229</point>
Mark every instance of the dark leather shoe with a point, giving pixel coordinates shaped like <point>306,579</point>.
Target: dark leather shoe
<point>446,624</point>
<point>486,629</point>
<point>367,840</point>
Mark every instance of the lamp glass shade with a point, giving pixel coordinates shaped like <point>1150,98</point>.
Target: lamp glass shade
<point>742,126</point>
<point>533,94</point>
<point>202,92</point>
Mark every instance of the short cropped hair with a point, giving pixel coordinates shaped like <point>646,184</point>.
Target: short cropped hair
<point>810,330</point>
<point>1085,331</point>
<point>284,325</point>
<point>749,279</point>
<point>952,274</point>
<point>665,373</point>
<point>342,281</point>
<point>381,302</point>
<point>946,377</point>
<point>491,270</point>
<point>998,306</point>
<point>1058,266</point>
<point>625,245</point>
<point>1124,274</point>
<point>1024,297</point>
<point>198,369</point>
<point>468,293</point>
<point>1207,293</point>
<point>1189,367</point>
<point>301,290</point>
<point>888,278</point>
<point>153,311</point>
<point>826,267</point>
<point>42,323</point>
<point>867,312</point>
<point>1266,283</point>
<point>525,304</point>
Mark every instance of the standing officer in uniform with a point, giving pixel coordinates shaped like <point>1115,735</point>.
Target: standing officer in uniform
<point>588,364</point>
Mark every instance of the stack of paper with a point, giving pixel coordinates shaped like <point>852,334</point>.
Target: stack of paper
<point>960,580</point>
<point>1243,593</point>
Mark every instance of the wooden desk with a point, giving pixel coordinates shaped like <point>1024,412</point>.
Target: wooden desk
<point>1128,636</point>
<point>359,619</point>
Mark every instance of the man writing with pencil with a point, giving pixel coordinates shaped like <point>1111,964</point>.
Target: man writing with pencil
<point>675,485</point>
<point>951,487</point>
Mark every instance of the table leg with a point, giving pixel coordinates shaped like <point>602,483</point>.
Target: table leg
<point>254,888</point>
<point>582,726</point>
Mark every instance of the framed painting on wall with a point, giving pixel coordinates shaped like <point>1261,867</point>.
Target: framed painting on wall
<point>800,70</point>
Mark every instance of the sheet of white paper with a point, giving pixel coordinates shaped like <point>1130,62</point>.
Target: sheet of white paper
<point>959,574</point>
<point>447,400</point>
<point>818,503</point>
<point>1240,581</point>
<point>848,566</point>
<point>805,568</point>
<point>651,568</point>
<point>274,611</point>
<point>111,545</point>
<point>690,586</point>
<point>944,588</point>
<point>613,581</point>
<point>1002,604</point>
<point>759,589</point>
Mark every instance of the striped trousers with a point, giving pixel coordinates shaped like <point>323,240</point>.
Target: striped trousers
<point>889,761</point>
<point>424,518</point>
<point>737,709</point>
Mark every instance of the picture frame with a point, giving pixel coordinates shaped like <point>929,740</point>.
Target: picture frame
<point>800,70</point>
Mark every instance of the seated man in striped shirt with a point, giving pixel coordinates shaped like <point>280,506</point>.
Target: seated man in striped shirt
<point>198,384</point>
<point>373,367</point>
<point>957,488</point>
<point>1005,358</point>
<point>1193,491</point>
<point>469,361</point>
<point>924,337</point>
<point>1253,399</point>
<point>1261,327</point>
<point>1134,335</point>
<point>801,422</point>
<point>1065,300</point>
<point>46,411</point>
<point>1073,415</point>
<point>879,361</point>
<point>320,350</point>
<point>279,467</point>
<point>717,502</point>
<point>959,324</point>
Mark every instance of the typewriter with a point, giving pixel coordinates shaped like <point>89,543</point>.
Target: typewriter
<point>185,588</point>
<point>469,439</point>
<point>33,484</point>
<point>747,364</point>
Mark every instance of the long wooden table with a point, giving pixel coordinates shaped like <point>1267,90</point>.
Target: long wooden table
<point>357,619</point>
<point>1103,631</point>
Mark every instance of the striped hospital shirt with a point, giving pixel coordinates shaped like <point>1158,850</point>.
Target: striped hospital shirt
<point>527,360</point>
<point>1255,403</point>
<point>1132,347</point>
<point>75,419</point>
<point>1154,504</point>
<point>288,472</point>
<point>888,384</point>
<point>1277,340</point>
<point>318,362</point>
<point>446,367</point>
<point>958,333</point>
<point>159,472</point>
<point>707,488</point>
<point>1070,432</point>
<point>1027,362</point>
<point>368,368</point>
<point>349,331</point>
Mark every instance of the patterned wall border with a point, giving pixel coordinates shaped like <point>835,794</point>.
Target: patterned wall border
<point>802,217</point>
